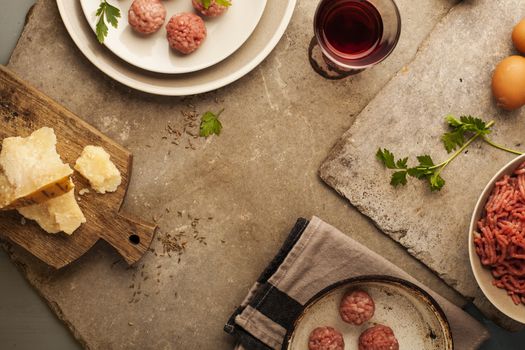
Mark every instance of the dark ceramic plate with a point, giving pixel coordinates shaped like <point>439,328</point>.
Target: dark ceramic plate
<point>415,317</point>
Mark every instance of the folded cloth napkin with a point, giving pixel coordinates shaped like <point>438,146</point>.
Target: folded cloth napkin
<point>314,256</point>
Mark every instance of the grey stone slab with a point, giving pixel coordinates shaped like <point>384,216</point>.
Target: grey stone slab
<point>451,74</point>
<point>254,180</point>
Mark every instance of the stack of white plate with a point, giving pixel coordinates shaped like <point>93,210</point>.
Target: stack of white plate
<point>236,43</point>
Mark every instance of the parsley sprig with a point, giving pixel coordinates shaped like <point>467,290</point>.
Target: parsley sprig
<point>106,12</point>
<point>207,3</point>
<point>464,131</point>
<point>210,124</point>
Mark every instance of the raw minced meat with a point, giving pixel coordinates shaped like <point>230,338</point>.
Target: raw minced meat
<point>356,307</point>
<point>213,10</point>
<point>186,32</point>
<point>146,16</point>
<point>326,338</point>
<point>378,337</point>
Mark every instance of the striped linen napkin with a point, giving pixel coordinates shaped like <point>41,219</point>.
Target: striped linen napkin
<point>314,256</point>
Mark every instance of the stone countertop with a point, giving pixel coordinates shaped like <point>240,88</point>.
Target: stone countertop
<point>246,187</point>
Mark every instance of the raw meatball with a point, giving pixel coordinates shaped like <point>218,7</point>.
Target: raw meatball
<point>213,10</point>
<point>326,338</point>
<point>186,32</point>
<point>356,307</point>
<point>378,337</point>
<point>146,16</point>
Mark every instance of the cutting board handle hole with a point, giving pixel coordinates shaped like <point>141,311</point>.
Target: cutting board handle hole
<point>134,239</point>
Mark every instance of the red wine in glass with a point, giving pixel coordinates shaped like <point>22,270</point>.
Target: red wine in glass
<point>356,34</point>
<point>351,29</point>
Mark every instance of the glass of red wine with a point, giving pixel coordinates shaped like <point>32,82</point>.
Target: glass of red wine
<point>352,35</point>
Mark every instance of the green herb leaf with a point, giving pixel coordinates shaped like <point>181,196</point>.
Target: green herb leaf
<point>456,138</point>
<point>402,163</point>
<point>465,130</point>
<point>453,139</point>
<point>399,178</point>
<point>210,124</point>
<point>225,3</point>
<point>436,182</point>
<point>112,15</point>
<point>102,30</point>
<point>424,169</point>
<point>419,172</point>
<point>452,121</point>
<point>206,4</point>
<point>387,158</point>
<point>105,12</point>
<point>474,125</point>
<point>425,161</point>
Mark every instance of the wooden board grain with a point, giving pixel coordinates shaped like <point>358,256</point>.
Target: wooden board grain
<point>24,110</point>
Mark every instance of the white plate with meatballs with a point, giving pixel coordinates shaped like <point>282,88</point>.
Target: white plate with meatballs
<point>177,36</point>
<point>370,313</point>
<point>275,19</point>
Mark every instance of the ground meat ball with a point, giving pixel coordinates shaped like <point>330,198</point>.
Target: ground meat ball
<point>378,337</point>
<point>213,10</point>
<point>356,307</point>
<point>186,32</point>
<point>146,16</point>
<point>326,338</point>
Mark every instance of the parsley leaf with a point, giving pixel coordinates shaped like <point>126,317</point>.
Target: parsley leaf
<point>425,161</point>
<point>225,3</point>
<point>388,160</point>
<point>210,124</point>
<point>475,125</point>
<point>424,169</point>
<point>207,3</point>
<point>453,139</point>
<point>456,138</point>
<point>399,178</point>
<point>436,182</point>
<point>465,126</point>
<point>105,12</point>
<point>102,29</point>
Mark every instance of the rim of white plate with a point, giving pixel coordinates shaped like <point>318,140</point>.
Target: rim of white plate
<point>107,69</point>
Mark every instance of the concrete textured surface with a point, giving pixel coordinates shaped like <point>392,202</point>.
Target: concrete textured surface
<point>26,322</point>
<point>253,181</point>
<point>407,118</point>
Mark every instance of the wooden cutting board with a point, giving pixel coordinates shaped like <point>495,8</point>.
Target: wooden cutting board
<point>23,110</point>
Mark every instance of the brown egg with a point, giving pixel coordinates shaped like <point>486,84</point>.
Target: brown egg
<point>508,82</point>
<point>518,36</point>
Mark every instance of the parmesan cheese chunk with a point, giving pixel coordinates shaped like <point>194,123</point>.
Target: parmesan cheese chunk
<point>94,164</point>
<point>58,214</point>
<point>31,170</point>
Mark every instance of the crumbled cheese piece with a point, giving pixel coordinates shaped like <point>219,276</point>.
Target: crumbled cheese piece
<point>31,170</point>
<point>94,164</point>
<point>83,191</point>
<point>60,214</point>
<point>7,191</point>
